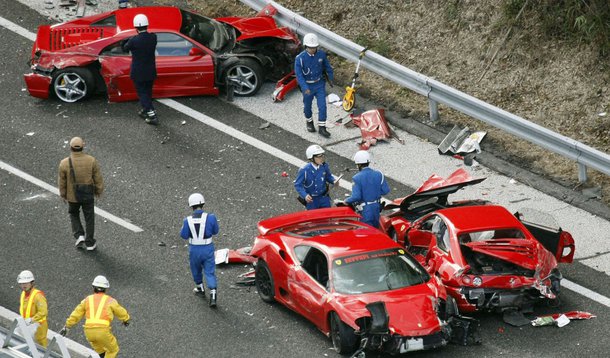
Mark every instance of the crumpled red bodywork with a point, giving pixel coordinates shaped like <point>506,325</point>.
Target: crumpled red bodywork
<point>509,269</point>
<point>373,127</point>
<point>337,234</point>
<point>80,44</point>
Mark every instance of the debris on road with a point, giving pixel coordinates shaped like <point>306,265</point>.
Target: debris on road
<point>461,142</point>
<point>373,127</point>
<point>264,125</point>
<point>561,319</point>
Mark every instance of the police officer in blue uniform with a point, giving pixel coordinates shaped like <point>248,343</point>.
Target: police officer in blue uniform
<point>312,68</point>
<point>143,66</point>
<point>369,185</point>
<point>314,178</point>
<point>198,229</point>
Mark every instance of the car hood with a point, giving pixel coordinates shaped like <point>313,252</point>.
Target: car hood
<point>411,310</point>
<point>437,186</point>
<point>528,254</point>
<point>255,27</point>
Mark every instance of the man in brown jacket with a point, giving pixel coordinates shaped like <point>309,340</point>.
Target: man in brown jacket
<point>86,171</point>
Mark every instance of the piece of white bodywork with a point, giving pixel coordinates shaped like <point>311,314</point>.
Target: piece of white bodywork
<point>221,256</point>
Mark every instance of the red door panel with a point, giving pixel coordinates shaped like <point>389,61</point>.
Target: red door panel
<point>115,72</point>
<point>184,76</point>
<point>308,295</point>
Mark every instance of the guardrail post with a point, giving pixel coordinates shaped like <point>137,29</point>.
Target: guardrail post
<point>582,173</point>
<point>433,105</point>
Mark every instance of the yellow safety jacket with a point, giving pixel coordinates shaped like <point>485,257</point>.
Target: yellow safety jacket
<point>99,309</point>
<point>34,306</point>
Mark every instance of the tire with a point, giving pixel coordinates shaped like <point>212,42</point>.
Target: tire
<point>246,76</point>
<point>343,337</point>
<point>264,282</point>
<point>73,84</point>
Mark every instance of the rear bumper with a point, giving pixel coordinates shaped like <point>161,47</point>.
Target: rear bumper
<point>38,85</point>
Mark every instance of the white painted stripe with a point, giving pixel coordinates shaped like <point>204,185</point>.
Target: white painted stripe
<point>272,151</point>
<point>256,143</point>
<point>54,190</point>
<point>17,29</point>
<point>586,292</point>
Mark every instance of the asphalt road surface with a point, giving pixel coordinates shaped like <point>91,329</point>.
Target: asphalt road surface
<point>149,172</point>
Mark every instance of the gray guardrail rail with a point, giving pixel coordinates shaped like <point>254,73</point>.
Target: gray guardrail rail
<point>437,92</point>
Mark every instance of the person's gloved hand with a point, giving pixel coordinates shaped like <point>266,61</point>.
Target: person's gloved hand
<point>64,331</point>
<point>126,323</point>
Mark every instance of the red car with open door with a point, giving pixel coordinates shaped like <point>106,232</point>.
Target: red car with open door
<point>355,284</point>
<point>195,55</point>
<point>487,258</point>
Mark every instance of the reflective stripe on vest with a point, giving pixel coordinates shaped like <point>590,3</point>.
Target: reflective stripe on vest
<point>27,312</point>
<point>197,237</point>
<point>94,315</point>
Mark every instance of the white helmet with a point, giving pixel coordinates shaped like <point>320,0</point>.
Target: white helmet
<point>312,150</point>
<point>140,20</point>
<point>196,199</point>
<point>25,277</point>
<point>101,281</point>
<point>311,40</point>
<point>362,157</point>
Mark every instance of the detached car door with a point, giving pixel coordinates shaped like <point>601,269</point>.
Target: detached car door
<point>183,68</point>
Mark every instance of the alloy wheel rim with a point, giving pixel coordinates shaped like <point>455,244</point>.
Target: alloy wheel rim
<point>244,80</point>
<point>70,87</point>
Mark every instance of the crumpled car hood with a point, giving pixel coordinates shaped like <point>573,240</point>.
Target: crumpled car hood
<point>528,254</point>
<point>411,310</point>
<point>257,27</point>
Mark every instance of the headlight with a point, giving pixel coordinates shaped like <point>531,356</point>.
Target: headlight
<point>477,281</point>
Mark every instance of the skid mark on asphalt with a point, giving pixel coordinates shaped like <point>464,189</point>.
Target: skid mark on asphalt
<point>103,213</point>
<point>272,151</point>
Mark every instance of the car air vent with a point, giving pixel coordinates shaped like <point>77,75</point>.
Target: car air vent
<point>65,38</point>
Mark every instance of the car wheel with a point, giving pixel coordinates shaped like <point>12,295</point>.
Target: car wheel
<point>246,77</point>
<point>343,336</point>
<point>264,282</point>
<point>73,84</point>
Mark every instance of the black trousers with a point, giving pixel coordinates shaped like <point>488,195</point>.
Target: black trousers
<point>77,227</point>
<point>144,91</point>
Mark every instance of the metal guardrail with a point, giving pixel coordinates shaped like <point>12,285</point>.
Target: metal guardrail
<point>437,92</point>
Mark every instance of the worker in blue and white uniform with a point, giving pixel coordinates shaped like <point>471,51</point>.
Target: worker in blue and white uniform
<point>368,187</point>
<point>198,229</point>
<point>310,67</point>
<point>314,178</point>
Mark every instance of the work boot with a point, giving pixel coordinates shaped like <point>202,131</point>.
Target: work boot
<point>151,117</point>
<point>213,297</point>
<point>92,247</point>
<point>80,242</point>
<point>310,127</point>
<point>323,132</point>
<point>199,290</point>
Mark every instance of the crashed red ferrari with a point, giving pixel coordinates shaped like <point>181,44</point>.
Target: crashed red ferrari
<point>487,258</point>
<point>195,55</point>
<point>355,284</point>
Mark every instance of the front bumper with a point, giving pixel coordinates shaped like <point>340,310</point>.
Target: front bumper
<point>398,344</point>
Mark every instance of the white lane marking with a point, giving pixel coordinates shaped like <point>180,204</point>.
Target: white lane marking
<point>17,29</point>
<point>278,154</point>
<point>256,143</point>
<point>54,190</point>
<point>572,286</point>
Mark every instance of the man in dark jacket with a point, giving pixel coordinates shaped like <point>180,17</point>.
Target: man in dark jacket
<point>143,67</point>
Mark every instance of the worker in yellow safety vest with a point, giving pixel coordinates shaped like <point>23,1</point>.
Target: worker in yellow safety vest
<point>33,307</point>
<point>99,309</point>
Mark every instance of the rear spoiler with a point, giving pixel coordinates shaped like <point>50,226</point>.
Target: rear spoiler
<point>301,217</point>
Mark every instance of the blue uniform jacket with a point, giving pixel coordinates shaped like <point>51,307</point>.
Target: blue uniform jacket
<point>313,181</point>
<point>142,47</point>
<point>369,186</point>
<point>311,68</point>
<point>211,226</point>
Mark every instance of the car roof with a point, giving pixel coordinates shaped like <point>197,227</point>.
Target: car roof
<point>480,217</point>
<point>345,243</point>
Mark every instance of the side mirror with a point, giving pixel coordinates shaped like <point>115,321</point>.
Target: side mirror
<point>196,51</point>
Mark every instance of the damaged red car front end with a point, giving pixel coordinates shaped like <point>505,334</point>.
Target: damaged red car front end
<point>487,258</point>
<point>356,285</point>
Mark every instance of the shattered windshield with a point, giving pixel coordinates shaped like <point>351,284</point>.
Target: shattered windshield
<point>377,272</point>
<point>208,32</point>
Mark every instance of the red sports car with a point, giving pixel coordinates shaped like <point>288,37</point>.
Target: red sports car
<point>487,258</point>
<point>195,54</point>
<point>354,283</point>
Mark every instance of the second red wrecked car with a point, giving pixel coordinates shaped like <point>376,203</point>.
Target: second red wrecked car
<point>487,258</point>
<point>195,54</point>
<point>355,284</point>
